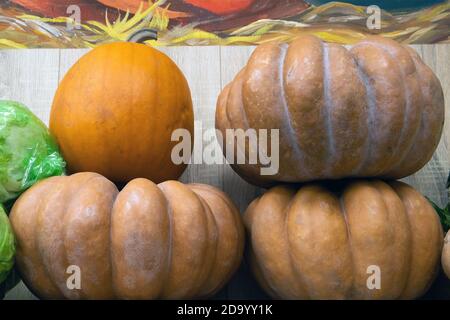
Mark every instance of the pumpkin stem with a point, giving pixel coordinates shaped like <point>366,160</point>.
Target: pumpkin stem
<point>143,35</point>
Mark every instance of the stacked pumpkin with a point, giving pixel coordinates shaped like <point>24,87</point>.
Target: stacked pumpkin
<point>78,236</point>
<point>375,111</point>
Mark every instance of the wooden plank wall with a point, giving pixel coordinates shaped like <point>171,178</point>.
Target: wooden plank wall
<point>32,76</point>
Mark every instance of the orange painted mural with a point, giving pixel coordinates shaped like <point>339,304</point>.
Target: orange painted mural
<point>87,23</point>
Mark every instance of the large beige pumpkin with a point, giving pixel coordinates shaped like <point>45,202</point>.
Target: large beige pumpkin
<point>374,110</point>
<point>148,241</point>
<point>326,243</point>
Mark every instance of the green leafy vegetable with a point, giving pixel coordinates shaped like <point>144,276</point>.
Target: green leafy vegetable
<point>7,247</point>
<point>444,214</point>
<point>10,282</point>
<point>8,277</point>
<point>28,153</point>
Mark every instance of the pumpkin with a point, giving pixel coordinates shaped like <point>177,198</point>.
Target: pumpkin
<point>446,255</point>
<point>147,241</point>
<point>444,214</point>
<point>116,109</point>
<point>374,110</point>
<point>335,242</point>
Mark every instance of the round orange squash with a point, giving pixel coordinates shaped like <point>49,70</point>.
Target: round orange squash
<point>115,110</point>
<point>337,242</point>
<point>374,110</point>
<point>147,241</point>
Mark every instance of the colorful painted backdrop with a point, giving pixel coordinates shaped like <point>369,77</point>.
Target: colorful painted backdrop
<point>86,23</point>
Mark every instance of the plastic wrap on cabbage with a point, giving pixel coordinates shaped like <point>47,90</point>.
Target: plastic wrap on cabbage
<point>7,248</point>
<point>28,153</point>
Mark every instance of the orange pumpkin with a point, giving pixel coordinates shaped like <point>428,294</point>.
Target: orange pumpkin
<point>115,110</point>
<point>148,241</point>
<point>374,110</point>
<point>333,242</point>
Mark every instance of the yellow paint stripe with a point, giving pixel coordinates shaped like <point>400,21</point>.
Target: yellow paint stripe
<point>12,44</point>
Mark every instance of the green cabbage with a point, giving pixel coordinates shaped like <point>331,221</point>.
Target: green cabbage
<point>28,153</point>
<point>7,248</point>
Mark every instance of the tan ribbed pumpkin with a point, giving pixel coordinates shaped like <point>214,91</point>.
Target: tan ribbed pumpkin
<point>374,110</point>
<point>323,242</point>
<point>148,241</point>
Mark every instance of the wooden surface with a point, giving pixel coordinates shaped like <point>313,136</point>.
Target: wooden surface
<point>31,77</point>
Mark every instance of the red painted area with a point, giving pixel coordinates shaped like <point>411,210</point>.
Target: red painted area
<point>222,7</point>
<point>125,5</point>
<point>90,10</point>
<point>210,15</point>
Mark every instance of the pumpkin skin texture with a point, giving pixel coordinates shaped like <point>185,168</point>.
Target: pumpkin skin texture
<point>445,258</point>
<point>375,110</point>
<point>115,110</point>
<point>322,241</point>
<point>148,241</point>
